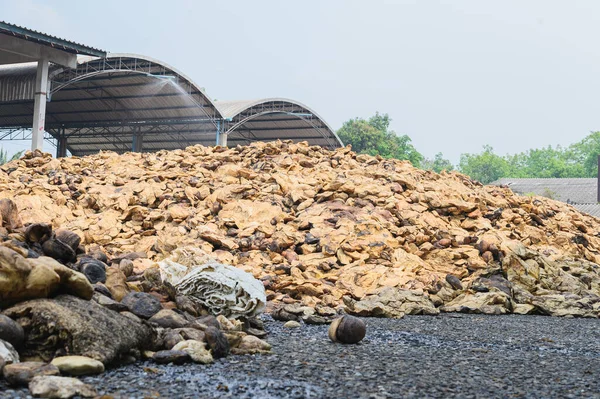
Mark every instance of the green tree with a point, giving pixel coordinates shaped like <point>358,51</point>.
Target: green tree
<point>437,164</point>
<point>374,137</point>
<point>485,167</point>
<point>4,156</point>
<point>545,162</point>
<point>586,154</point>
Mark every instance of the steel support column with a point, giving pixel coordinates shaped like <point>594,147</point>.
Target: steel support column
<point>39,105</point>
<point>61,143</point>
<point>138,141</point>
<point>221,136</point>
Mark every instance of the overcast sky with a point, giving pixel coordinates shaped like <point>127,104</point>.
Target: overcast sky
<point>452,75</point>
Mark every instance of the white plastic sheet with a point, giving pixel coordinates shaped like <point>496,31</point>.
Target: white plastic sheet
<point>222,289</point>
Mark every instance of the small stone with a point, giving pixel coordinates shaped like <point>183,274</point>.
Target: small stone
<point>101,289</point>
<point>197,351</point>
<point>23,373</point>
<point>168,319</point>
<point>11,331</point>
<point>251,345</point>
<point>234,338</point>
<point>208,321</point>
<point>291,324</point>
<point>8,354</point>
<point>126,266</point>
<point>454,282</point>
<point>229,325</point>
<point>256,332</point>
<point>171,356</point>
<point>171,338</point>
<point>315,319</point>
<point>191,333</point>
<point>187,305</point>
<point>217,342</point>
<point>109,303</point>
<point>93,269</point>
<point>142,304</point>
<point>78,365</point>
<point>60,387</point>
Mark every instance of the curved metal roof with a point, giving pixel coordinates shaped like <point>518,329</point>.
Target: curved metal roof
<point>270,119</point>
<point>111,103</point>
<point>104,102</point>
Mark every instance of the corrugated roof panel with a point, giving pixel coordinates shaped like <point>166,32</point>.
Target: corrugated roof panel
<point>49,40</point>
<point>576,190</point>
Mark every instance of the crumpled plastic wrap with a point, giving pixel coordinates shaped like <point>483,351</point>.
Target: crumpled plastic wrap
<point>222,289</point>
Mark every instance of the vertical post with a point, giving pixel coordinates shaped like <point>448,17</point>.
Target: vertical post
<point>39,105</point>
<point>598,181</point>
<point>223,140</point>
<point>61,148</point>
<point>218,132</point>
<point>138,141</point>
<point>221,137</point>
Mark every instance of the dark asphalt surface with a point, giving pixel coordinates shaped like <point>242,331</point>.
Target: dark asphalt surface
<point>452,355</point>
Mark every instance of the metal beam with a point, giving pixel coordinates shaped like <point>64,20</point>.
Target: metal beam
<point>33,51</point>
<point>268,129</point>
<point>62,100</point>
<point>145,121</point>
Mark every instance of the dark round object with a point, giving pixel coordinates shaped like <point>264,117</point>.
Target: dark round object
<point>11,331</point>
<point>68,237</point>
<point>38,232</point>
<point>101,289</point>
<point>210,321</point>
<point>142,304</point>
<point>217,341</point>
<point>170,356</point>
<point>95,271</point>
<point>454,282</point>
<point>101,256</point>
<point>347,330</point>
<point>58,250</point>
<point>32,254</point>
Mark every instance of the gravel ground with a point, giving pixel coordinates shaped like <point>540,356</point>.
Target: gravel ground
<point>466,356</point>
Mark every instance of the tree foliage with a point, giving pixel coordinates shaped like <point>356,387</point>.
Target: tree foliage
<point>485,167</point>
<point>4,158</point>
<point>577,160</point>
<point>437,164</point>
<point>374,137</point>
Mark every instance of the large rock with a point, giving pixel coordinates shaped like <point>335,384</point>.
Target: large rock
<point>23,373</point>
<point>495,302</point>
<point>391,302</point>
<point>60,387</point>
<point>27,278</point>
<point>78,327</point>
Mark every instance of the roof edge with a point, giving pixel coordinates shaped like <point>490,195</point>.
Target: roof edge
<point>49,40</point>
